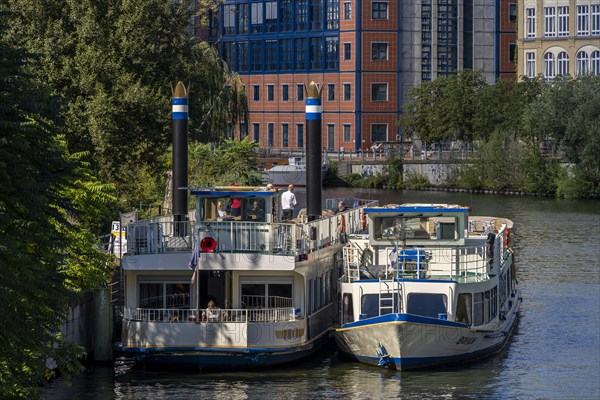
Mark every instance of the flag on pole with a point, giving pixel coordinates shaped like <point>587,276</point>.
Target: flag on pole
<point>193,265</point>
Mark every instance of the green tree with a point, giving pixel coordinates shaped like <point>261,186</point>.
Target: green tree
<point>48,253</point>
<point>113,64</point>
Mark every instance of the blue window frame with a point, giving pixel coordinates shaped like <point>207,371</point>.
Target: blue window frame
<point>333,14</point>
<point>243,18</point>
<point>301,22</point>
<point>271,16</point>
<point>332,53</point>
<point>243,56</point>
<point>285,54</point>
<point>379,10</point>
<point>256,92</point>
<point>331,92</point>
<point>316,15</point>
<point>300,92</point>
<point>301,63</point>
<point>229,19</point>
<point>257,55</point>
<point>271,55</point>
<point>347,51</point>
<point>284,92</point>
<point>284,135</point>
<point>270,92</point>
<point>270,127</point>
<point>316,53</point>
<point>256,17</point>
<point>256,132</point>
<point>286,15</point>
<point>300,135</point>
<point>347,91</point>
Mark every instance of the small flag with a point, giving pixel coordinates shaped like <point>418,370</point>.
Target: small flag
<point>394,257</point>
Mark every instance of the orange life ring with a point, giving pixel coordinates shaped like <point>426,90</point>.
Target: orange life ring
<point>363,220</point>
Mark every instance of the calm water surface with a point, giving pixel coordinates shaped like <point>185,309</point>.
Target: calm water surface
<point>553,354</point>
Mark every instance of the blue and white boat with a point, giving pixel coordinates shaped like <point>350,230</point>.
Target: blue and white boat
<point>274,282</point>
<point>427,286</point>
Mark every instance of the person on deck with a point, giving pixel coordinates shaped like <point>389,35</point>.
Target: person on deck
<point>288,202</point>
<point>341,207</point>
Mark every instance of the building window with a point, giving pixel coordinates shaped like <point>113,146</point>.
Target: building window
<point>271,16</point>
<point>563,21</point>
<point>301,63</point>
<point>379,51</point>
<point>530,22</point>
<point>347,51</point>
<point>595,63</point>
<point>270,92</point>
<point>300,92</point>
<point>562,64</point>
<point>284,92</point>
<point>333,14</point>
<point>379,10</point>
<point>530,65</point>
<point>243,58</point>
<point>347,10</point>
<point>549,21</point>
<point>331,92</point>
<point>256,17</point>
<point>270,128</point>
<point>286,15</point>
<point>379,92</point>
<point>284,135</point>
<point>271,55</point>
<point>595,22</point>
<point>256,91</point>
<point>549,67</point>
<point>512,12</point>
<point>512,50</point>
<point>285,54</point>
<point>347,90</point>
<point>257,55</point>
<point>332,58</point>
<point>347,133</point>
<point>316,53</point>
<point>379,133</point>
<point>300,135</point>
<point>243,17</point>
<point>582,65</point>
<point>256,132</point>
<point>582,21</point>
<point>243,130</point>
<point>229,19</point>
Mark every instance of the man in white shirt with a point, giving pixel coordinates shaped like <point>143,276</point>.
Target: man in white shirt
<point>288,202</point>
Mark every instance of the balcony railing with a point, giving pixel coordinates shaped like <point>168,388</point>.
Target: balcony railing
<point>174,315</point>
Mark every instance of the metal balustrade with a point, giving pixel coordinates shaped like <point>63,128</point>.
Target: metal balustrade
<point>185,315</point>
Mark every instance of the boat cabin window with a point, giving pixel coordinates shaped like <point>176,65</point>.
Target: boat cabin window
<point>478,308</point>
<point>164,295</point>
<point>266,295</point>
<point>347,308</point>
<point>427,304</point>
<point>255,210</point>
<point>463,308</point>
<point>234,208</point>
<point>424,228</point>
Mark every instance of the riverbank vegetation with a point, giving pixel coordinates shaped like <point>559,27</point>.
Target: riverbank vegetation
<point>532,136</point>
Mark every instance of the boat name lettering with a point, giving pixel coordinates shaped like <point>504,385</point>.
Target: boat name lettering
<point>466,340</point>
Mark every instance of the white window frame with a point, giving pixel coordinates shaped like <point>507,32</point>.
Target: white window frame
<point>562,64</point>
<point>386,51</point>
<point>595,63</point>
<point>530,64</point>
<point>549,21</point>
<point>583,27</point>
<point>386,91</point>
<point>582,64</point>
<point>549,66</point>
<point>563,21</point>
<point>387,10</point>
<point>595,20</point>
<point>347,10</point>
<point>530,22</point>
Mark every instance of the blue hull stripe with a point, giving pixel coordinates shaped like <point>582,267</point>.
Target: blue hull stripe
<point>387,318</point>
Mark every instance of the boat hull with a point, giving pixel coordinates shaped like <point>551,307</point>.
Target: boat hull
<point>405,341</point>
<point>205,358</point>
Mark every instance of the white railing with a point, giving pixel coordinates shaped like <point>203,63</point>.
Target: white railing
<point>173,315</point>
<point>163,235</point>
<point>257,301</point>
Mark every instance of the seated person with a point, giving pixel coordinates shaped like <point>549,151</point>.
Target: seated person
<point>221,210</point>
<point>257,212</point>
<point>212,313</point>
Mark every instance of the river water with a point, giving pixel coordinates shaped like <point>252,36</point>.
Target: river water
<point>553,354</point>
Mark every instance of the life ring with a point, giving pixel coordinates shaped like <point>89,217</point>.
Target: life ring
<point>363,220</point>
<point>507,237</point>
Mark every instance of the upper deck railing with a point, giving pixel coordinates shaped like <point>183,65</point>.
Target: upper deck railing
<point>292,238</point>
<point>190,315</point>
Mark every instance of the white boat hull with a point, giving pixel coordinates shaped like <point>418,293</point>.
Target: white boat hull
<point>404,341</point>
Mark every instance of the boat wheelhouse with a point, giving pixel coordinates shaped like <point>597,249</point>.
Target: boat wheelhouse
<point>427,286</point>
<point>273,282</point>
